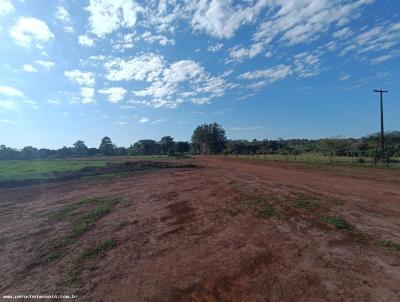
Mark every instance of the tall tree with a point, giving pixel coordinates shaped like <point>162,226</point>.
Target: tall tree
<point>209,138</point>
<point>182,147</point>
<point>167,144</point>
<point>106,146</point>
<point>145,147</point>
<point>80,148</point>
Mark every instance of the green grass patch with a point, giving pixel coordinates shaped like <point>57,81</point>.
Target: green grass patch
<point>86,254</point>
<point>389,245</point>
<point>338,222</point>
<point>266,212</point>
<point>100,248</point>
<point>22,170</point>
<point>85,222</point>
<point>319,160</point>
<point>304,202</point>
<point>72,277</point>
<point>260,206</point>
<point>253,199</point>
<point>80,225</point>
<point>65,212</point>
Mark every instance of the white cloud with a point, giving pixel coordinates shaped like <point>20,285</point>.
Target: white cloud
<point>87,94</point>
<point>303,21</point>
<point>124,42</point>
<point>145,67</point>
<point>107,16</point>
<point>307,64</point>
<point>383,58</point>
<point>29,68</point>
<point>344,77</point>
<point>200,101</point>
<point>85,41</point>
<point>183,70</point>
<point>80,77</point>
<point>160,39</point>
<point>220,19</point>
<point>167,80</point>
<point>31,104</point>
<point>158,121</point>
<point>238,53</point>
<point>271,74</point>
<point>7,105</point>
<point>383,39</point>
<point>46,64</point>
<point>157,89</point>
<point>54,102</point>
<point>68,28</point>
<point>63,15</point>
<point>28,31</point>
<point>10,91</point>
<point>163,15</point>
<point>215,47</point>
<point>97,58</point>
<point>114,94</point>
<point>342,33</point>
<point>7,121</point>
<point>6,7</point>
<point>143,120</point>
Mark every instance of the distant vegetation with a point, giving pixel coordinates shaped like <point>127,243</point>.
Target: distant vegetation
<point>211,139</point>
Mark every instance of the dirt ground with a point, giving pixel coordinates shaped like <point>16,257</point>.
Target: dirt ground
<point>193,234</point>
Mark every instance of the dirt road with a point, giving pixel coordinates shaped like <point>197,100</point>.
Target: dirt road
<point>228,230</point>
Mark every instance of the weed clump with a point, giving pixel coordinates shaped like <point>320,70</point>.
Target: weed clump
<point>84,223</point>
<point>266,212</point>
<point>338,222</point>
<point>100,248</point>
<point>87,254</point>
<point>81,225</point>
<point>303,202</point>
<point>389,245</point>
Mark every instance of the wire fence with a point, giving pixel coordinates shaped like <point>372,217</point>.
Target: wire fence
<point>315,158</point>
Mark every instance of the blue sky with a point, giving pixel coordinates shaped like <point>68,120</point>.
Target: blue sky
<point>143,69</point>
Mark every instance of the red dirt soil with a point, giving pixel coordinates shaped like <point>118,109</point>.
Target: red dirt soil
<point>187,235</point>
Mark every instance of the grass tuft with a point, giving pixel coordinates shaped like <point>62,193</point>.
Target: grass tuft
<point>84,223</point>
<point>266,212</point>
<point>338,222</point>
<point>389,245</point>
<point>63,213</point>
<point>303,202</point>
<point>87,254</point>
<point>81,225</point>
<point>97,250</point>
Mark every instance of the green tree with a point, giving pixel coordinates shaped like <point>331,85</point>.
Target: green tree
<point>80,148</point>
<point>182,147</point>
<point>209,138</point>
<point>145,147</point>
<point>29,152</point>
<point>106,146</point>
<point>167,144</point>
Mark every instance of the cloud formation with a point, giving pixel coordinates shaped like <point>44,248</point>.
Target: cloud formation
<point>30,31</point>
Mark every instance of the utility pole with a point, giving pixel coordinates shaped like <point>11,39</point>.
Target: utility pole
<point>381,92</point>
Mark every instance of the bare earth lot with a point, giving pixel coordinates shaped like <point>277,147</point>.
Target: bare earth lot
<point>226,230</point>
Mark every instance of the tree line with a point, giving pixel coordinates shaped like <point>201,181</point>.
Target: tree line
<point>165,146</point>
<point>211,139</point>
